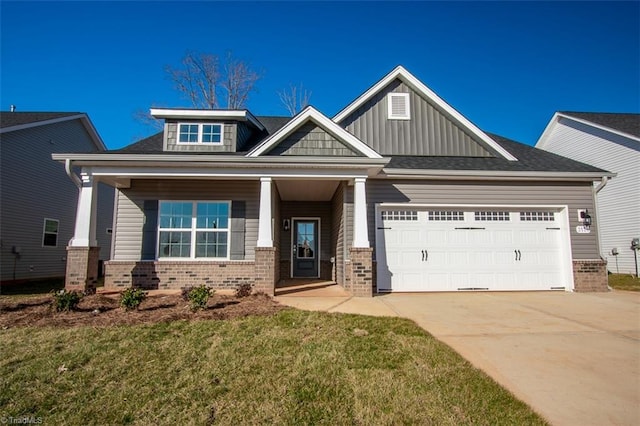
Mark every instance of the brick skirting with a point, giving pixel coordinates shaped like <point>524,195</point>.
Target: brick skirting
<point>361,271</point>
<point>152,275</point>
<point>590,275</point>
<point>82,268</point>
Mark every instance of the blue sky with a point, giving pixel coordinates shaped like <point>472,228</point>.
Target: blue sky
<point>507,66</point>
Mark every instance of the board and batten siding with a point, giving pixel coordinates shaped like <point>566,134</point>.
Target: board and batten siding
<point>619,201</point>
<point>130,209</point>
<point>575,196</point>
<point>338,232</point>
<point>34,187</point>
<point>428,132</point>
<point>312,140</point>
<point>228,138</point>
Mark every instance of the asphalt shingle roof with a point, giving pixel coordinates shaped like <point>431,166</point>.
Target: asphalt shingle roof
<point>10,119</point>
<point>623,122</point>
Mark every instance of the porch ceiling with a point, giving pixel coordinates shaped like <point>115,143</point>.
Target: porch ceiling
<point>306,190</point>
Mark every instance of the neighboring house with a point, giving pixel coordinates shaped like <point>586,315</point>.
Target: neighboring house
<point>38,200</point>
<point>397,192</point>
<point>609,141</point>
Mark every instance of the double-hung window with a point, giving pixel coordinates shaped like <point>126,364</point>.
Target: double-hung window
<point>50,233</point>
<point>200,133</point>
<point>193,229</point>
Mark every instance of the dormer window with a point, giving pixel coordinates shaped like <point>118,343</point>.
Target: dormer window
<point>191,133</point>
<point>398,106</point>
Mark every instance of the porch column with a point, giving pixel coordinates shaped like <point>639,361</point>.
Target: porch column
<point>85,230</point>
<point>82,252</point>
<point>265,232</point>
<point>360,228</point>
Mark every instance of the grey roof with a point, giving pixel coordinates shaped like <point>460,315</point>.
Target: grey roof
<point>624,122</point>
<point>10,119</point>
<point>530,159</point>
<point>153,144</point>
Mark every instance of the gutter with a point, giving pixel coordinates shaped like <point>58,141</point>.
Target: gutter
<point>68,164</point>
<point>494,175</point>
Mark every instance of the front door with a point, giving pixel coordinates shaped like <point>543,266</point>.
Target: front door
<point>305,248</point>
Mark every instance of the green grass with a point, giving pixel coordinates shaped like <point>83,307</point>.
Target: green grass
<point>624,282</point>
<point>291,368</point>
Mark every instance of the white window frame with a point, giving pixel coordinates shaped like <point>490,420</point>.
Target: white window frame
<point>407,103</point>
<point>44,231</point>
<point>200,127</point>
<point>194,230</point>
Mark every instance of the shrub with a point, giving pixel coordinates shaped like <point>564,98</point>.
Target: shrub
<point>131,298</point>
<point>199,296</point>
<point>244,290</point>
<point>64,300</point>
<point>185,293</point>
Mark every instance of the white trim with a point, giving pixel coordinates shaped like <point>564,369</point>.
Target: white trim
<point>414,83</point>
<point>312,114</point>
<point>213,114</point>
<point>84,119</point>
<point>200,134</point>
<point>84,234</point>
<point>44,231</point>
<point>193,230</point>
<point>318,249</point>
<point>360,226</point>
<point>407,105</point>
<point>265,216</point>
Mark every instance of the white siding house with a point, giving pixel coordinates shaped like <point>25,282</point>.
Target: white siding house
<point>38,198</point>
<point>608,141</point>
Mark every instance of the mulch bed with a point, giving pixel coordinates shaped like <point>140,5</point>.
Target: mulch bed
<point>105,310</point>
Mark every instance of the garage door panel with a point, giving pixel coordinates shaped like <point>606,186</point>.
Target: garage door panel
<point>491,249</point>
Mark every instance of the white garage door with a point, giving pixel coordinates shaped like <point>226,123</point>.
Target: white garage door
<point>470,249</point>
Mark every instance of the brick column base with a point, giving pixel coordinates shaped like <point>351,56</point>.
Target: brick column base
<point>265,270</point>
<point>82,269</point>
<point>361,271</point>
<point>590,275</point>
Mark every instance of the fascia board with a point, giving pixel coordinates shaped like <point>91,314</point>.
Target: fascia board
<point>240,115</point>
<point>310,113</point>
<point>511,175</point>
<point>401,73</point>
<point>598,126</point>
<point>542,140</point>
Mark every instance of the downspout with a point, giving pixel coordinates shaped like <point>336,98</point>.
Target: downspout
<point>597,189</point>
<point>67,167</point>
<point>603,183</point>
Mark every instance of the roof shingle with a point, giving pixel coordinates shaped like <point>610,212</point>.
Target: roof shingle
<point>624,122</point>
<point>10,119</point>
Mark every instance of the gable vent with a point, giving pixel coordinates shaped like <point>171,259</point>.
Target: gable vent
<point>398,104</point>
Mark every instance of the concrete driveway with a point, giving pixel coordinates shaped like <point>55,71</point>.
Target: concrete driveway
<point>573,357</point>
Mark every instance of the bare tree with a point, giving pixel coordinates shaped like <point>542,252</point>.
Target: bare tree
<point>208,85</point>
<point>295,98</point>
<point>144,117</point>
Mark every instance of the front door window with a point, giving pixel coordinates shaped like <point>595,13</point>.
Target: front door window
<point>305,248</point>
<point>306,240</point>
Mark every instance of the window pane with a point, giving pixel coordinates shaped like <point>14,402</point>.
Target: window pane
<point>211,244</point>
<point>50,240</point>
<point>211,133</point>
<point>175,244</point>
<point>188,133</point>
<point>51,226</point>
<point>175,215</point>
<point>212,216</point>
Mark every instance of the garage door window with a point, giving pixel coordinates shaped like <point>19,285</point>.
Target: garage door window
<point>492,216</point>
<point>400,215</point>
<point>537,216</point>
<point>446,215</point>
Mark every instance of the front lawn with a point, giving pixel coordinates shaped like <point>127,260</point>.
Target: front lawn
<point>624,282</point>
<point>290,367</point>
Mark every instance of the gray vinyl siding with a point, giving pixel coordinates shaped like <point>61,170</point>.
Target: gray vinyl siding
<point>575,196</point>
<point>243,134</point>
<point>34,187</point>
<point>619,201</point>
<point>311,140</point>
<point>307,209</point>
<point>428,132</point>
<point>130,211</point>
<point>228,139</point>
<point>338,232</point>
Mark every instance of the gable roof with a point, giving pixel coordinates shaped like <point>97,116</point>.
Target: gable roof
<point>14,121</point>
<point>628,123</point>
<point>531,159</point>
<point>313,115</point>
<point>405,76</point>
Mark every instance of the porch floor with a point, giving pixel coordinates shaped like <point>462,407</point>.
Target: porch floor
<point>299,287</point>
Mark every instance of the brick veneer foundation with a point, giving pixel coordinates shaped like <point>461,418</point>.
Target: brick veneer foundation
<point>265,270</point>
<point>361,271</point>
<point>176,275</point>
<point>82,268</point>
<point>590,275</point>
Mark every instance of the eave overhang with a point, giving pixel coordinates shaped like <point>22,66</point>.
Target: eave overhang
<point>493,175</point>
<point>206,114</point>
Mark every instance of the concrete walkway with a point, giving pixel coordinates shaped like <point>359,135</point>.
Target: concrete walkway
<point>573,357</point>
